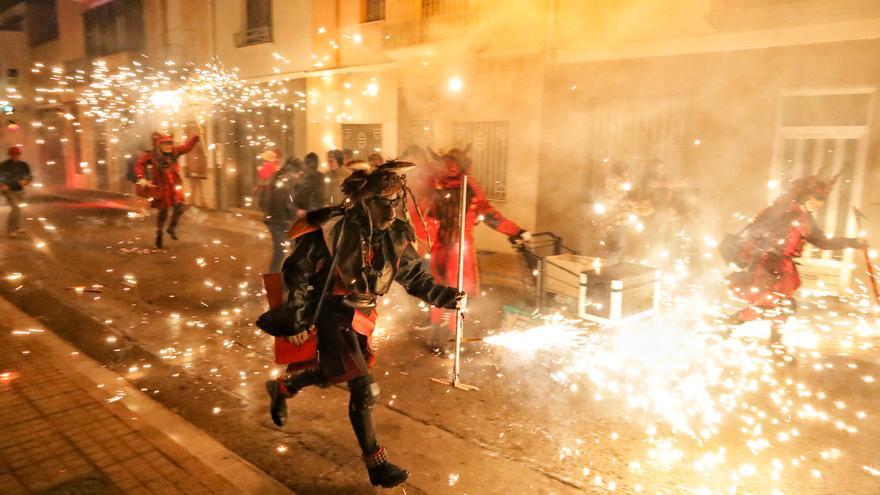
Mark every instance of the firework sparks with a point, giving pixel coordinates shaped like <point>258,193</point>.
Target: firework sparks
<point>696,392</point>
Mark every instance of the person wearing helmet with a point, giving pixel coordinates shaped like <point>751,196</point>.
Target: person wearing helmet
<point>344,260</point>
<point>769,246</point>
<point>159,171</point>
<point>15,174</point>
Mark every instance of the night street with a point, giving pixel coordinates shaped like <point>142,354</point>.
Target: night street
<point>87,273</point>
<point>465,247</point>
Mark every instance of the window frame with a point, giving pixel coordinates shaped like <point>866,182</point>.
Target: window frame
<point>382,8</point>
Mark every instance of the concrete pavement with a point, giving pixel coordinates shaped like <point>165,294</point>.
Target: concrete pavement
<point>71,426</point>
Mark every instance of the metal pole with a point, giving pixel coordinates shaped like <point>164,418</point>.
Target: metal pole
<point>459,320</point>
<point>459,317</point>
<point>539,284</point>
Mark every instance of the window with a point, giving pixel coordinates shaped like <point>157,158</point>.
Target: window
<point>258,23</point>
<point>114,27</point>
<point>362,139</point>
<point>259,14</point>
<point>487,143</point>
<point>638,130</point>
<point>434,8</point>
<point>42,21</point>
<point>374,10</point>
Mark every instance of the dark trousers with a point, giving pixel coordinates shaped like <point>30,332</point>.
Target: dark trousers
<point>363,394</point>
<point>177,211</point>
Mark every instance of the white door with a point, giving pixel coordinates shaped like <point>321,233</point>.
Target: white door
<point>810,148</point>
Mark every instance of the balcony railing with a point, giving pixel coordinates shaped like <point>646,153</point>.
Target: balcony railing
<point>254,36</point>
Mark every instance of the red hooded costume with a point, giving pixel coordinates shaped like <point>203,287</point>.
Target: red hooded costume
<point>441,209</point>
<point>773,241</point>
<point>164,169</point>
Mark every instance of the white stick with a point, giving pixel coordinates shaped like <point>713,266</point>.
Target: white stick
<point>459,320</point>
<point>459,317</point>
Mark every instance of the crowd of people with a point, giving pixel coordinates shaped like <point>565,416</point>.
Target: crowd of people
<point>355,226</point>
<point>354,232</point>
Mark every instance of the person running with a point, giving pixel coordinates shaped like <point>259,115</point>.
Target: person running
<point>344,260</point>
<point>166,185</point>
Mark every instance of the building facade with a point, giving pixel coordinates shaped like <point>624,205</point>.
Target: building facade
<point>734,98</point>
<point>731,98</point>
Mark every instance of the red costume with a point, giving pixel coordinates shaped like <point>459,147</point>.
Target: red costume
<point>165,188</point>
<point>770,245</point>
<point>442,211</point>
<point>167,185</point>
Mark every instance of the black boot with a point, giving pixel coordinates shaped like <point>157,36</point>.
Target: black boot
<point>278,405</point>
<point>172,231</point>
<point>158,239</point>
<point>383,473</point>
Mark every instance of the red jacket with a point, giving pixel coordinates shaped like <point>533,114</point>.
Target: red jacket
<point>442,210</point>
<point>777,237</point>
<point>167,184</point>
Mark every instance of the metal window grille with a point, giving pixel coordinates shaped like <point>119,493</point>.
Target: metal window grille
<point>258,25</point>
<point>488,151</point>
<point>362,139</point>
<point>434,8</point>
<point>114,27</point>
<point>637,130</point>
<point>374,11</point>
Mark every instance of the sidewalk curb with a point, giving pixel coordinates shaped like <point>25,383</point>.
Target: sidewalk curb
<point>89,373</point>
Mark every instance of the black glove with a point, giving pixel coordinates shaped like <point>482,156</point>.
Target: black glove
<point>520,238</point>
<point>279,322</point>
<point>451,298</point>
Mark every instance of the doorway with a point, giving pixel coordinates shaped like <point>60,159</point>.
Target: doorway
<point>825,132</point>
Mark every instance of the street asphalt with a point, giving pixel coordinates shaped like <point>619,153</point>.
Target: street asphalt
<point>178,324</point>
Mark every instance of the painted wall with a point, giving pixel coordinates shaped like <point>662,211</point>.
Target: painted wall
<point>292,38</point>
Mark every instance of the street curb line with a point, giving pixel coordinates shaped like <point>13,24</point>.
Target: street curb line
<point>88,373</point>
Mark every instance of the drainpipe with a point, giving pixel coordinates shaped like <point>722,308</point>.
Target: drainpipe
<point>210,134</point>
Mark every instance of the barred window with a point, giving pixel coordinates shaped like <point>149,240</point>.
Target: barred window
<point>362,139</point>
<point>638,130</point>
<point>114,27</point>
<point>374,10</point>
<point>488,150</point>
<point>434,8</point>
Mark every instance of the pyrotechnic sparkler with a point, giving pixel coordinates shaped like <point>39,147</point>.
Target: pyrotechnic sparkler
<point>729,408</point>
